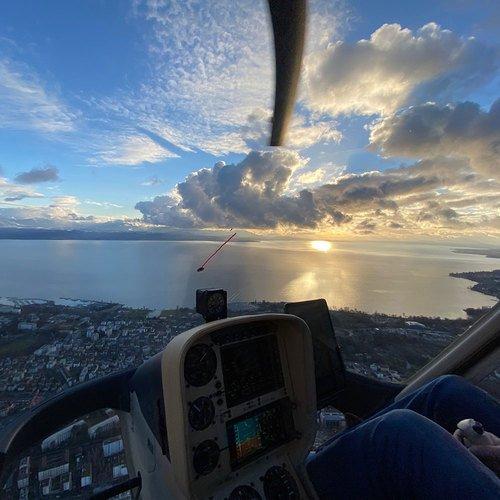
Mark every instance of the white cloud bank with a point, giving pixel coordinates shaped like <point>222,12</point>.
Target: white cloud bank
<point>432,195</point>
<point>395,65</point>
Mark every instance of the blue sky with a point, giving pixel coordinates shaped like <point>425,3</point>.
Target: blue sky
<point>112,103</point>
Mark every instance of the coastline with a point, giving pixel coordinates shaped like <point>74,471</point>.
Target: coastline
<point>487,282</point>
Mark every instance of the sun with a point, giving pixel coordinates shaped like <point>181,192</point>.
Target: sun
<point>321,246</point>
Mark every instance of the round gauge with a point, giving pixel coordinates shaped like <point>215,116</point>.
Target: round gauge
<point>206,457</point>
<point>201,413</point>
<point>200,365</point>
<point>280,484</point>
<point>216,304</point>
<point>244,492</point>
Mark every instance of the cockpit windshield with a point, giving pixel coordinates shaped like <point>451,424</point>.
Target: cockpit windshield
<point>136,167</point>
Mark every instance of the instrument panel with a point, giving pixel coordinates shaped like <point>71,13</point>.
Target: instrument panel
<point>243,421</point>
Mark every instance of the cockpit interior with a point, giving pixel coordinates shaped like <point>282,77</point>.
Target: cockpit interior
<point>230,409</point>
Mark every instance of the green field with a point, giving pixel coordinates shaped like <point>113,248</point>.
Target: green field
<point>23,344</point>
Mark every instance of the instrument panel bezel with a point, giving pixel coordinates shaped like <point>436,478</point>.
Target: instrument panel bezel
<point>298,373</point>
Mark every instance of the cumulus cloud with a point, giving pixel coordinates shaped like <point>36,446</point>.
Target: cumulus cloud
<point>429,130</point>
<point>36,175</point>
<point>256,194</point>
<point>396,64</point>
<point>248,194</point>
<point>48,217</point>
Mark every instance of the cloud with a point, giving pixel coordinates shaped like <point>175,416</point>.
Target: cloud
<point>131,150</point>
<point>12,192</point>
<point>64,201</point>
<point>302,134</point>
<point>17,195</point>
<point>153,181</point>
<point>47,217</point>
<point>430,130</point>
<point>312,177</point>
<point>26,103</point>
<point>396,64</point>
<point>102,204</point>
<point>256,194</point>
<point>36,175</point>
<point>247,194</point>
<point>211,64</point>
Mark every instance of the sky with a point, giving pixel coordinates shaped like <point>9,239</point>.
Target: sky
<point>153,114</point>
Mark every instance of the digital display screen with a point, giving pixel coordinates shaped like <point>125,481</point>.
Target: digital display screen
<point>260,431</point>
<point>328,364</point>
<point>251,368</point>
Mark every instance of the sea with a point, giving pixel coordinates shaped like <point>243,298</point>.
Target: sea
<point>387,277</point>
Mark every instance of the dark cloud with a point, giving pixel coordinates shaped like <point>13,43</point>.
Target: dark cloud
<point>36,175</point>
<point>366,226</point>
<point>164,210</point>
<point>429,130</point>
<point>255,194</point>
<point>251,193</point>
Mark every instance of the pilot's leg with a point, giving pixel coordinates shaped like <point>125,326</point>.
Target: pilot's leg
<point>400,454</point>
<point>449,399</point>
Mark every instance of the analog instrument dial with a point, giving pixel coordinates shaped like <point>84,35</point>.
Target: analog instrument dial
<point>244,492</point>
<point>279,484</point>
<point>206,457</point>
<point>216,304</point>
<point>201,413</point>
<point>200,365</point>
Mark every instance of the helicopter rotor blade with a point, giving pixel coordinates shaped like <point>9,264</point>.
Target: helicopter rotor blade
<point>289,28</point>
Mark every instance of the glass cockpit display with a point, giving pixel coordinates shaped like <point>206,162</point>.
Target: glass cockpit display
<point>255,433</point>
<point>251,368</point>
<point>328,363</point>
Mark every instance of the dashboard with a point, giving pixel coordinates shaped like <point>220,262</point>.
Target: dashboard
<point>239,412</point>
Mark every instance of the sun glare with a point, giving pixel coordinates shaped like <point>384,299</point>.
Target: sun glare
<point>321,246</point>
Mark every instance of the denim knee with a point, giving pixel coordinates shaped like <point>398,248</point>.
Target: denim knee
<point>401,426</point>
<point>402,419</point>
<point>450,385</point>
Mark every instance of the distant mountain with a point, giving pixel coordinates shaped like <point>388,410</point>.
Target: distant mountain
<point>132,235</point>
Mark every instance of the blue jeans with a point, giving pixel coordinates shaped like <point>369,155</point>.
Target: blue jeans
<point>406,450</point>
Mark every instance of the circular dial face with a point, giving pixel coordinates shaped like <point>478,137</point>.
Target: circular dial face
<point>279,484</point>
<point>216,303</point>
<point>206,457</point>
<point>201,413</point>
<point>200,365</point>
<point>244,492</point>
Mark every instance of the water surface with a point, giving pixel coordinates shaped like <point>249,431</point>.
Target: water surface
<point>396,278</point>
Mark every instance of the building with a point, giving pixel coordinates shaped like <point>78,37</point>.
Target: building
<point>112,446</point>
<point>59,437</point>
<point>105,427</point>
<point>25,326</point>
<point>23,474</point>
